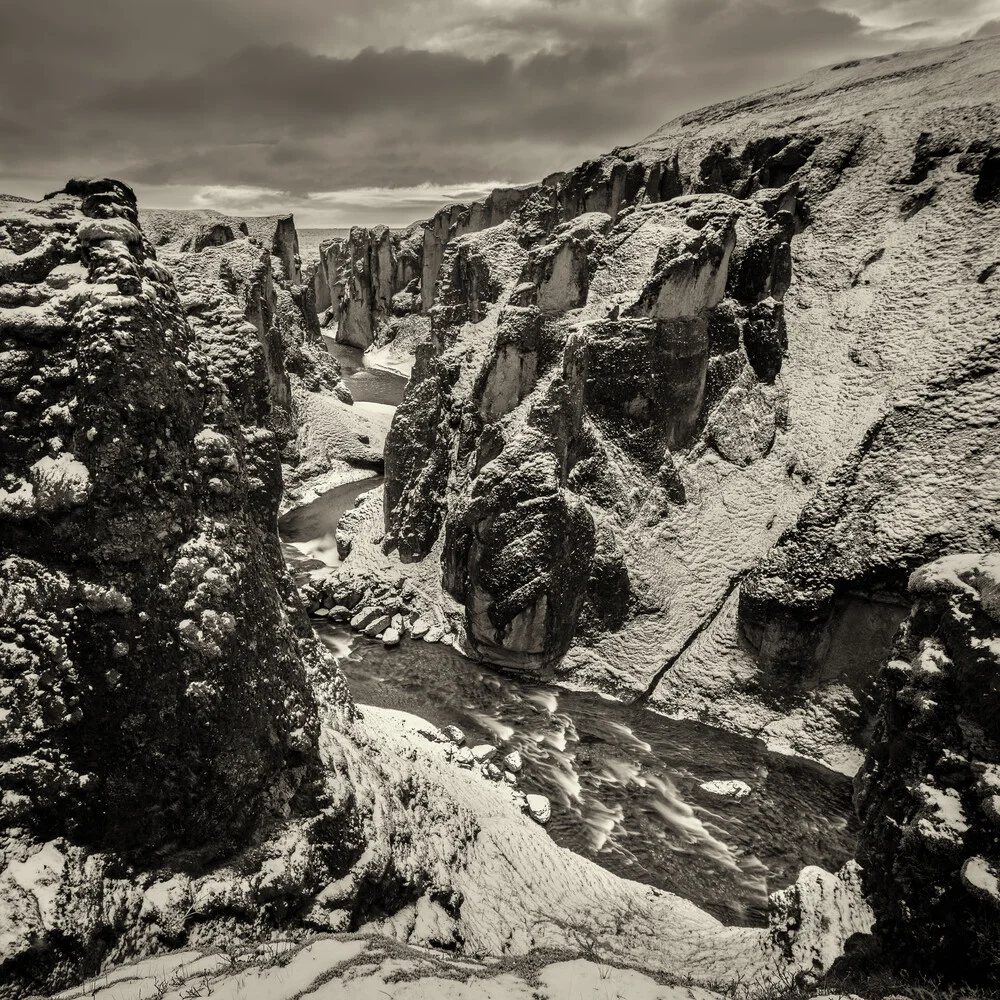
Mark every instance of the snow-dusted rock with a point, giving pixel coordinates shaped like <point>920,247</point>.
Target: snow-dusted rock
<point>539,808</point>
<point>153,688</point>
<point>484,752</point>
<point>727,789</point>
<point>812,920</point>
<point>434,734</point>
<point>513,762</point>
<point>454,734</point>
<point>376,626</point>
<point>927,793</point>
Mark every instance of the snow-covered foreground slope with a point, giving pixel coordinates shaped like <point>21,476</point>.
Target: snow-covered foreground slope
<point>484,902</point>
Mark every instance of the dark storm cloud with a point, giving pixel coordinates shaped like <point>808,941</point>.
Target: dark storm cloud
<point>309,95</point>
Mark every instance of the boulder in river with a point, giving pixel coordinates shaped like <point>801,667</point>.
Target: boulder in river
<point>390,637</point>
<point>539,808</point>
<point>484,752</point>
<point>513,762</point>
<point>377,626</point>
<point>419,629</point>
<point>365,617</point>
<point>434,634</point>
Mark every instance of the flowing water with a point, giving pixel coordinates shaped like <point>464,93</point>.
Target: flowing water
<point>368,385</point>
<point>310,530</point>
<point>624,782</point>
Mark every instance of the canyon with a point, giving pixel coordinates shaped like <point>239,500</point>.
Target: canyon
<point>707,426</point>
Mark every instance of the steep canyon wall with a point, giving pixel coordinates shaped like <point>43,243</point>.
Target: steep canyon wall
<point>765,334</point>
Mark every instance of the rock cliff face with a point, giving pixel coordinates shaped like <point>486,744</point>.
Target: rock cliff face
<point>153,656</point>
<point>559,373</point>
<point>764,310</point>
<point>365,283</point>
<point>929,791</point>
<point>922,483</point>
<point>362,281</point>
<point>242,291</point>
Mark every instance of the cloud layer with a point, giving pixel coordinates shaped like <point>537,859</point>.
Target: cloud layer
<point>198,99</point>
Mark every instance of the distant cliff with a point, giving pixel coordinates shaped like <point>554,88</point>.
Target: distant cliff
<point>236,273</point>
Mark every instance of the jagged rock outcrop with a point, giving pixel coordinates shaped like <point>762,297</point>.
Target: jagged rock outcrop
<point>929,791</point>
<point>358,276</point>
<point>457,220</point>
<point>193,230</point>
<point>246,300</point>
<point>553,376</point>
<point>153,657</point>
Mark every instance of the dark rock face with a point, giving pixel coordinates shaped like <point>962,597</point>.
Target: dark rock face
<point>212,234</point>
<point>152,658</point>
<point>230,300</point>
<point>360,282</point>
<point>285,246</point>
<point>929,791</point>
<point>593,351</point>
<point>417,460</point>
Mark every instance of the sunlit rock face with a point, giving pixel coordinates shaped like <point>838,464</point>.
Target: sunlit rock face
<point>923,482</point>
<point>153,661</point>
<point>562,358</point>
<point>929,791</point>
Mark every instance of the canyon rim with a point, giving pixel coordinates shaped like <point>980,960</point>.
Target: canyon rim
<point>592,589</point>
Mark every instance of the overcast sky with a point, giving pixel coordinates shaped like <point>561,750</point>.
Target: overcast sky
<point>364,111</point>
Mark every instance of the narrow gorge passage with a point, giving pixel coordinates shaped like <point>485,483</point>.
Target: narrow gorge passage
<point>625,783</point>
